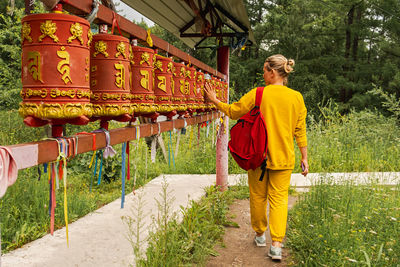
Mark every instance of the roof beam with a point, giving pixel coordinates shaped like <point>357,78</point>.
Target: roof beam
<point>215,34</point>
<point>227,14</point>
<point>202,14</point>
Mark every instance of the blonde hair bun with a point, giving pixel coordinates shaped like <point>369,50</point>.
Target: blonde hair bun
<point>289,64</point>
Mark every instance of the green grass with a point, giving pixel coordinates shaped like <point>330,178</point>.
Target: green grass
<point>344,225</point>
<point>357,142</point>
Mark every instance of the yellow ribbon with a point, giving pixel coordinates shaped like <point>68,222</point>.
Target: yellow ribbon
<point>91,161</point>
<point>148,39</point>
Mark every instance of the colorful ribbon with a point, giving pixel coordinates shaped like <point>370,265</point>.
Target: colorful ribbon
<point>101,167</point>
<point>128,174</point>
<point>108,150</point>
<point>123,175</point>
<point>93,146</point>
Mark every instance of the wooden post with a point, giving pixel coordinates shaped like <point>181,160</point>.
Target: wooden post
<point>222,141</point>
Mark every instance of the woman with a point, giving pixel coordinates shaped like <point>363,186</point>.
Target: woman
<point>285,114</point>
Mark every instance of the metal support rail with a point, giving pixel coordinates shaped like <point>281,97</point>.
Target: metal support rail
<point>35,153</point>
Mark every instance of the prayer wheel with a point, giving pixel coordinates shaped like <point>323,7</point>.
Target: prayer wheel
<point>200,91</point>
<point>143,97</point>
<point>109,77</point>
<point>55,69</point>
<point>180,89</point>
<point>163,71</point>
<point>217,87</point>
<point>225,94</point>
<point>208,105</point>
<point>190,83</point>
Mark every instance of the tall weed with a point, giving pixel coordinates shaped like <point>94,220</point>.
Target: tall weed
<point>339,225</point>
<point>191,241</point>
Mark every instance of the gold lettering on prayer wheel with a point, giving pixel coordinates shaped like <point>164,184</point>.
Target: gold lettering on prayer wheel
<point>51,45</point>
<point>179,95</point>
<point>190,88</point>
<point>200,91</point>
<point>162,86</point>
<point>142,92</point>
<point>109,75</point>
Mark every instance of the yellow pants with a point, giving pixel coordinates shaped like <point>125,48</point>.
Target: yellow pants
<point>274,188</point>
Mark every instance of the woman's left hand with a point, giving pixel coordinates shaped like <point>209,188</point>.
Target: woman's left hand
<point>304,167</point>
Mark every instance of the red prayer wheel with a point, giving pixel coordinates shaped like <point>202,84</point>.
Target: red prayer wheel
<point>55,69</point>
<point>208,105</point>
<point>163,71</point>
<point>217,87</point>
<point>109,77</point>
<point>180,89</point>
<point>200,90</point>
<point>142,80</point>
<point>190,83</point>
<point>221,90</point>
<point>225,95</point>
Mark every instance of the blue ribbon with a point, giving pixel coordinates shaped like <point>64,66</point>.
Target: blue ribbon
<point>94,172</point>
<point>101,168</point>
<point>123,175</point>
<point>45,166</point>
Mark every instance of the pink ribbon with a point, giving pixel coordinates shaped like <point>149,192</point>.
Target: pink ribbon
<point>8,170</point>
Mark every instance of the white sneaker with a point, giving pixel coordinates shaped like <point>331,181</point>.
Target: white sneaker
<point>275,253</point>
<point>260,241</point>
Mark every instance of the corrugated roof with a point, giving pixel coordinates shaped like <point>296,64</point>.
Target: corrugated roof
<point>180,18</point>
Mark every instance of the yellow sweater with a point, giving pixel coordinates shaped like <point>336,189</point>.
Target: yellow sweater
<point>285,116</point>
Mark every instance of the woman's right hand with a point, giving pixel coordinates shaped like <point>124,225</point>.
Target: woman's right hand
<point>210,93</point>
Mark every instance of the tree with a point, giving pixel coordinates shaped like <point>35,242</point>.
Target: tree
<point>10,59</point>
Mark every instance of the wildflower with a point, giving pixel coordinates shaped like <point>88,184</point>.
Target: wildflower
<point>393,219</point>
<point>311,225</point>
<point>320,235</point>
<point>372,232</point>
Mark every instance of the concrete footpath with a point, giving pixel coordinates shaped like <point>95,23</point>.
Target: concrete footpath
<point>101,237</point>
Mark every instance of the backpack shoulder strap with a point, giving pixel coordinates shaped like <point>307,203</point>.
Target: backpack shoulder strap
<point>259,95</point>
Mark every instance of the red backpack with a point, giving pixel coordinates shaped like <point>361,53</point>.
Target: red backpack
<point>249,140</point>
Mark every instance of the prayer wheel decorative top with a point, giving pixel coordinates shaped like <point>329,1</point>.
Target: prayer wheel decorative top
<point>163,71</point>
<point>55,69</point>
<point>109,77</point>
<point>142,80</point>
<point>179,89</point>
